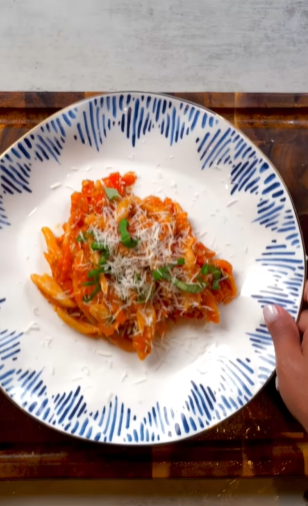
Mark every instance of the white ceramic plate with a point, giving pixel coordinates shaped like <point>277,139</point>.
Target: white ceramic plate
<point>238,206</point>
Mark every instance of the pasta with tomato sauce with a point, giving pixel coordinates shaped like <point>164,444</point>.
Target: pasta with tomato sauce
<point>124,266</point>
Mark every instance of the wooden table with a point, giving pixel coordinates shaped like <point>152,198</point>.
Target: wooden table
<point>262,439</point>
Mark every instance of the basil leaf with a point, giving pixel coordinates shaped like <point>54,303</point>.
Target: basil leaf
<point>104,256</point>
<point>141,299</point>
<point>189,287</point>
<point>211,269</point>
<point>126,239</point>
<point>80,237</point>
<point>112,193</point>
<point>83,236</point>
<point>162,273</point>
<point>96,246</point>
<point>205,269</point>
<point>216,285</point>
<point>157,275</point>
<point>217,274</point>
<point>88,298</point>
<point>215,271</point>
<point>102,260</point>
<point>90,283</point>
<point>96,272</point>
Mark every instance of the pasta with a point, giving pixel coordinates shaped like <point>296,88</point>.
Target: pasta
<point>124,266</point>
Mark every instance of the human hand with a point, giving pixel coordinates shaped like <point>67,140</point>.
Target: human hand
<point>291,357</point>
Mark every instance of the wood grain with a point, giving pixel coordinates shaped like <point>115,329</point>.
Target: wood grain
<point>260,440</point>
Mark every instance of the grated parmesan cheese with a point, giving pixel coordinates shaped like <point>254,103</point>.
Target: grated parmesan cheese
<point>124,376</point>
<point>32,212</point>
<point>141,380</point>
<point>31,326</point>
<point>131,273</point>
<point>231,203</point>
<point>55,185</point>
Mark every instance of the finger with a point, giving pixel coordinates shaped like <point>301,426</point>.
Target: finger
<point>303,328</point>
<point>303,321</point>
<point>306,292</point>
<point>285,334</point>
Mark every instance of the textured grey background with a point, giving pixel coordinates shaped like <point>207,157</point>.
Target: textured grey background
<point>213,45</point>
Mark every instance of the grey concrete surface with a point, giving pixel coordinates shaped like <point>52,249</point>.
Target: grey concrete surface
<point>154,45</point>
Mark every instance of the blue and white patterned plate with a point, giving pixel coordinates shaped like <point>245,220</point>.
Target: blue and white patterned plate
<point>238,206</point>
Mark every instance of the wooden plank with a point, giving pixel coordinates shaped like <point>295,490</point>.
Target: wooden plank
<point>262,439</point>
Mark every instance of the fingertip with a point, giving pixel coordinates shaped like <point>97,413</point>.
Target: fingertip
<point>272,312</point>
<point>284,331</point>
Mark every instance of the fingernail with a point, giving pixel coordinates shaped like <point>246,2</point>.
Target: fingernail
<point>277,383</point>
<point>270,314</point>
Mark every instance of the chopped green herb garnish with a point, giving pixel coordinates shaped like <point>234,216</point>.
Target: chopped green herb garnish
<point>217,274</point>
<point>216,285</point>
<point>96,272</point>
<point>90,283</point>
<point>102,260</point>
<point>189,287</point>
<point>112,193</point>
<point>162,273</point>
<point>88,298</point>
<point>80,237</point>
<point>141,299</point>
<point>83,236</point>
<point>211,269</point>
<point>96,246</point>
<point>126,239</point>
<point>205,269</point>
<point>199,278</point>
<point>157,275</point>
<point>104,256</point>
<point>215,271</point>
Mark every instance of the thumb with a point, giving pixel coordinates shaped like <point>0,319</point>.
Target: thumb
<point>285,334</point>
